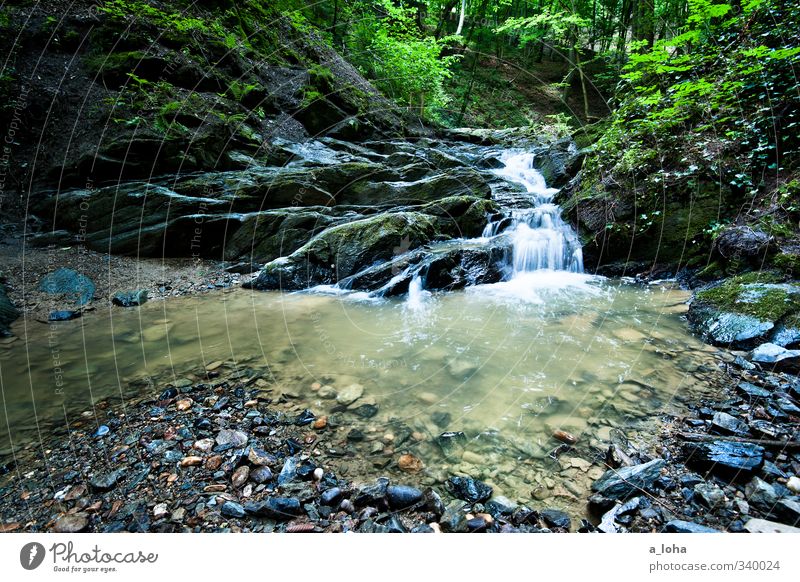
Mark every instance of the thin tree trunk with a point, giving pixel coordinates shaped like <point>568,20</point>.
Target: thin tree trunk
<point>461,18</point>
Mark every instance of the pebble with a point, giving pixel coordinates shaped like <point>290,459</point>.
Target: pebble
<point>102,430</point>
<point>402,496</point>
<point>556,518</point>
<point>327,392</point>
<point>469,489</point>
<point>240,476</point>
<point>71,523</point>
<point>214,463</point>
<point>318,474</point>
<point>350,394</point>
<point>565,437</point>
<point>203,445</point>
<point>261,475</point>
<point>320,423</point>
<point>235,438</point>
<point>232,509</point>
<point>409,463</point>
<point>428,398</point>
<point>184,404</point>
<point>104,482</point>
<point>191,461</point>
<point>214,365</point>
<point>793,484</point>
<point>160,510</point>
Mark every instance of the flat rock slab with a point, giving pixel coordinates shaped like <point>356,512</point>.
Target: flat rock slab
<point>727,459</point>
<point>765,526</point>
<point>628,481</point>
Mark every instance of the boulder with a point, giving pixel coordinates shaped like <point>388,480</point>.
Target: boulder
<point>72,285</point>
<point>742,242</point>
<point>774,356</point>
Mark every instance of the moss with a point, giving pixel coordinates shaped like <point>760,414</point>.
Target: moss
<point>787,262</point>
<point>755,294</point>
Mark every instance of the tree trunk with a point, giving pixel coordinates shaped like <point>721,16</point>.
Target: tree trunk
<point>461,17</point>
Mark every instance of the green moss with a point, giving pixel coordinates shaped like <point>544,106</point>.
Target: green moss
<point>787,262</point>
<point>756,294</point>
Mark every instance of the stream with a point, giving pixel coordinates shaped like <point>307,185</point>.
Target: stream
<point>548,348</point>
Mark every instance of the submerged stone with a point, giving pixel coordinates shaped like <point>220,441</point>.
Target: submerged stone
<point>452,444</point>
<point>469,489</point>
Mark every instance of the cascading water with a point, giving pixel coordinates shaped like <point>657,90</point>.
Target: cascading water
<point>541,239</point>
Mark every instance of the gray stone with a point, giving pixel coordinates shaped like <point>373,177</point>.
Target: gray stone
<point>761,494</point>
<point>787,511</point>
<point>232,438</point>
<point>232,509</point>
<point>752,390</point>
<point>710,495</point>
<point>105,482</point>
<point>774,355</point>
<point>724,423</point>
<point>625,482</point>
<point>403,496</point>
<point>350,394</point>
<point>764,526</point>
<point>728,459</point>
<point>130,298</point>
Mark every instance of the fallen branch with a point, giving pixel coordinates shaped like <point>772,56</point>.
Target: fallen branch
<point>705,438</point>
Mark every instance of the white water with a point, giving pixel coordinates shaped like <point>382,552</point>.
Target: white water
<point>541,239</point>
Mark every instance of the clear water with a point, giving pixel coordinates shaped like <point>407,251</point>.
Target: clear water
<point>509,366</point>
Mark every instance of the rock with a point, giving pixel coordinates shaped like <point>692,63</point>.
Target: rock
<point>240,476</point>
<point>556,518</point>
<point>761,494</point>
<point>461,369</point>
<point>724,458</point>
<point>476,524</point>
<point>320,423</point>
<point>453,519</point>
<point>776,356</point>
<point>214,365</point>
<point>680,526</point>
<point>77,287</point>
<point>101,431</point>
<point>626,482</point>
<point>711,495</point>
<point>8,313</point>
<point>402,496</point>
<point>184,404</point>
<point>130,298</point>
<point>764,526</point>
<point>278,508</point>
<point>409,463</point>
<point>105,482</point>
<point>71,523</point>
<point>752,391</point>
<point>350,394</point>
<point>191,461</point>
<point>441,419</point>
<point>742,242</point>
<point>260,457</point>
<point>213,463</point>
<point>787,511</point>
<point>469,489</point>
<point>565,437</point>
<point>331,497</point>
<point>372,494</point>
<point>452,444</point>
<point>793,484</point>
<point>63,315</point>
<point>231,438</point>
<point>288,472</point>
<point>260,475</point>
<point>724,423</point>
<point>160,511</point>
<point>319,473</point>
<point>232,509</point>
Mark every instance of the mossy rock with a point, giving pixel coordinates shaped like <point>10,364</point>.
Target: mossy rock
<point>746,310</point>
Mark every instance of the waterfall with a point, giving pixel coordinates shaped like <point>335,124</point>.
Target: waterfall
<point>541,239</point>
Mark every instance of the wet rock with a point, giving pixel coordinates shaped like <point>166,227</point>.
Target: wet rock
<point>350,394</point>
<point>433,502</point>
<point>469,489</point>
<point>304,418</point>
<point>409,463</point>
<point>476,525</point>
<point>372,494</point>
<point>709,494</point>
<point>71,523</point>
<point>628,481</point>
<point>232,509</point>
<point>260,457</point>
<point>760,494</point>
<point>764,526</point>
<point>75,286</point>
<point>787,511</point>
<point>453,519</point>
<point>565,437</point>
<point>793,484</point>
<point>101,431</point>
<point>452,444</point>
<point>556,518</point>
<point>441,419</point>
<point>278,508</point>
<point>105,482</point>
<point>355,436</point>
<point>724,423</point>
<point>366,411</point>
<point>130,298</point>
<point>331,497</point>
<point>772,355</point>
<point>403,496</point>
<point>742,242</point>
<point>500,505</point>
<point>191,461</point>
<point>202,424</point>
<point>752,391</point>
<point>724,458</point>
<point>680,526</point>
<point>231,438</point>
<point>63,315</point>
